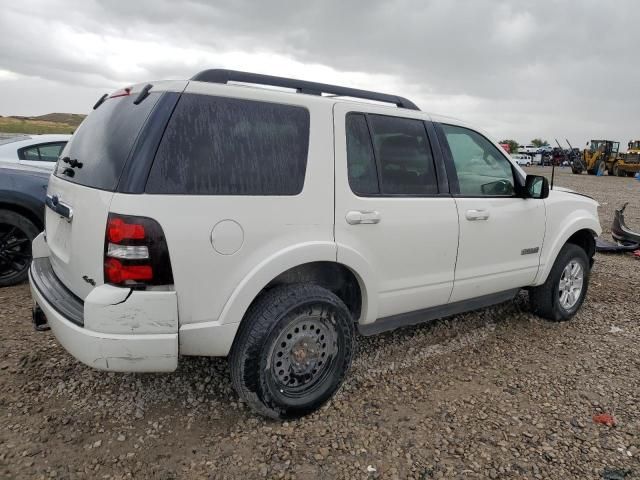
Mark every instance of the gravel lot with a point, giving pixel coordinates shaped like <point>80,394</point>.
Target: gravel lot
<point>497,393</point>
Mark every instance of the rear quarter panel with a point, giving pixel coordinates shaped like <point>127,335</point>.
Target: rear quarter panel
<point>215,288</point>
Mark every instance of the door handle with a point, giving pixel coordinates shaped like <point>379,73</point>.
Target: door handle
<point>356,217</point>
<point>473,215</point>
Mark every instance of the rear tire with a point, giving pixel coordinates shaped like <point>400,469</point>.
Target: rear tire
<point>558,299</point>
<point>292,351</point>
<point>16,234</point>
<point>617,171</point>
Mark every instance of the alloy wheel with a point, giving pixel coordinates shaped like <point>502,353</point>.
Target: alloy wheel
<point>570,286</point>
<point>15,251</point>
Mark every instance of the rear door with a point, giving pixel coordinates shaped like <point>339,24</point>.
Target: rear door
<point>390,211</point>
<point>501,234</point>
<point>81,189</point>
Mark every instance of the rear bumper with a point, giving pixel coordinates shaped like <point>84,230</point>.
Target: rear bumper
<point>117,335</point>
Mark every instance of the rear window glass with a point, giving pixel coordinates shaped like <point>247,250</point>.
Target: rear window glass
<point>104,140</point>
<point>227,146</point>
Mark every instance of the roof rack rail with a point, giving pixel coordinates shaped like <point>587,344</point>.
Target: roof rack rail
<point>301,86</point>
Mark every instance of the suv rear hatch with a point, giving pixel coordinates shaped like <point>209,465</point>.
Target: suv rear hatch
<point>88,173</point>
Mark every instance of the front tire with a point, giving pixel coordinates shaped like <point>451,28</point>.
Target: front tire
<point>16,235</point>
<point>599,167</point>
<point>562,295</point>
<point>292,351</point>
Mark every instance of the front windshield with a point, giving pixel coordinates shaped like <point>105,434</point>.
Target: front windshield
<point>635,145</point>
<point>597,145</point>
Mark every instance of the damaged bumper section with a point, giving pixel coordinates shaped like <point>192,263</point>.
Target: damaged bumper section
<point>625,240</point>
<point>620,231</point>
<point>117,329</point>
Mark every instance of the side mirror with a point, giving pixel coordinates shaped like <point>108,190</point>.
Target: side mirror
<point>536,186</point>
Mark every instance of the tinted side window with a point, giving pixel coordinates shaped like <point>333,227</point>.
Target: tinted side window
<point>482,170</point>
<point>227,146</point>
<point>404,155</point>
<point>30,153</point>
<point>363,177</point>
<point>50,152</point>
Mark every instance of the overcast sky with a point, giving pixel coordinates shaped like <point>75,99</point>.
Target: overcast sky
<point>518,69</point>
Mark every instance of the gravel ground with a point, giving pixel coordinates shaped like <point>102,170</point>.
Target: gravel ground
<point>497,393</point>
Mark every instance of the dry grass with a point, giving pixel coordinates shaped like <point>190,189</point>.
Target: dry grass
<point>49,123</point>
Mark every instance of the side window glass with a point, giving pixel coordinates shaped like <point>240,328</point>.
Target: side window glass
<point>481,169</point>
<point>404,156</point>
<point>30,154</point>
<point>227,146</point>
<point>363,177</point>
<point>51,152</point>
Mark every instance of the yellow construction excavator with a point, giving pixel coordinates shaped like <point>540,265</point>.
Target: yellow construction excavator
<point>604,155</point>
<point>628,163</point>
<point>597,157</point>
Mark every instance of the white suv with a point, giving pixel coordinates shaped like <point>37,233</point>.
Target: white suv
<point>202,218</point>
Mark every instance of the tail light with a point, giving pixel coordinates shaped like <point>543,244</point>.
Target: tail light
<point>135,252</point>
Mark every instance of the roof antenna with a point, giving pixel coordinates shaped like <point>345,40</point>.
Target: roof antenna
<point>553,165</point>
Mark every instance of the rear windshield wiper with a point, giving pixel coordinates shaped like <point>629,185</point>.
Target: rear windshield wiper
<point>144,93</point>
<point>100,100</point>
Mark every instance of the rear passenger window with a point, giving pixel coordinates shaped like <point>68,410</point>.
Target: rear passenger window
<point>404,155</point>
<point>402,161</point>
<point>45,152</point>
<point>51,152</point>
<point>226,146</point>
<point>30,154</point>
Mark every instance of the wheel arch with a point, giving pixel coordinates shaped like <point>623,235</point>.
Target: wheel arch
<point>580,231</point>
<point>313,262</point>
<point>26,210</point>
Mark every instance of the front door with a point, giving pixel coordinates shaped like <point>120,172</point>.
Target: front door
<point>391,216</point>
<point>501,234</point>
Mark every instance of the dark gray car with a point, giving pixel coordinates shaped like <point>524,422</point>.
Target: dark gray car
<point>22,197</point>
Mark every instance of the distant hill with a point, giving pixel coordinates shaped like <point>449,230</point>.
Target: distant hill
<point>49,123</point>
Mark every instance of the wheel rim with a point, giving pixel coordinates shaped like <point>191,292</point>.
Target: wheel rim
<point>302,355</point>
<point>571,282</point>
<point>15,251</point>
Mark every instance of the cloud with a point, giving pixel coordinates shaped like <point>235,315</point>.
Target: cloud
<point>516,68</point>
